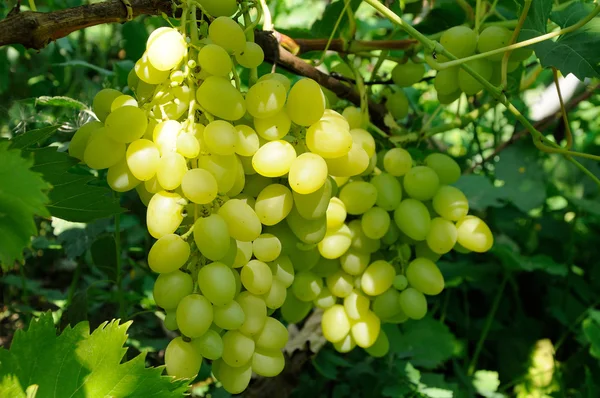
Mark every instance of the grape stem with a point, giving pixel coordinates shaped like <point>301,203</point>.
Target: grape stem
<point>187,234</point>
<point>253,75</point>
<point>330,39</point>
<point>477,15</point>
<point>563,111</point>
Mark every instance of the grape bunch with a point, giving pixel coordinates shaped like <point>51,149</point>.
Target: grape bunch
<point>264,200</point>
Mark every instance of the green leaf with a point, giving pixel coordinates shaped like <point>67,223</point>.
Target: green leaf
<point>104,254</point>
<point>79,364</point>
<point>62,102</point>
<point>84,64</point>
<point>324,26</point>
<point>443,16</point>
<point>486,382</point>
<point>427,343</point>
<point>537,18</point>
<point>591,330</point>
<point>22,196</point>
<point>73,198</point>
<point>539,262</point>
<point>33,137</point>
<point>480,191</point>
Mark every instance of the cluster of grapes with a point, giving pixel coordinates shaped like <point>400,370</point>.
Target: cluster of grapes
<point>287,204</point>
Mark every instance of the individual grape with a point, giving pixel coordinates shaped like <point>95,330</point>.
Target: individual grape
<point>450,203</point>
<point>425,276</point>
<point>209,345</point>
<point>336,242</point>
<point>217,96</point>
<point>217,283</point>
<point>308,173</point>
<point>335,323</point>
<point>276,296</point>
<point>243,223</point>
<point>519,55</point>
<point>447,99</point>
<point>325,299</point>
<point>81,137</point>
<point>412,217</point>
<point>461,249</point>
<point>377,278</point>
<point>387,304</point>
<point>237,348</point>
<point>364,139</point>
<point>328,139</point>
<point>102,102</point>
<point>164,214</point>
<point>268,363</point>
<point>148,73</point>
<point>400,282</point>
<point>307,286</point>
<point>246,143</point>
<point>356,305</point>
<point>294,310</point>
<point>397,104</point>
<point>212,236</point>
<point>229,316</point>
<point>313,205</point>
<point>381,347</point>
<point>267,247</point>
<point>306,102</point>
<point>413,303</point>
<point>389,191</point>
<point>222,167</point>
<point>375,222</point>
<point>325,267</point>
<point>346,345</point>
<point>166,48</point>
<point>273,204</point>
<point>467,83</point>
<point>170,171</point>
<point>252,56</point>
<point>279,77</point>
<point>335,213</point>
<point>366,330</point>
<point>219,8</point>
<point>444,166</point>
<point>283,270</point>
<point>265,99</point>
<point>274,158</point>
<point>152,185</point>
<point>255,184</point>
<point>256,313</point>
<point>340,284</point>
<point>199,186</point>
<point>353,163</point>
<point>181,359</point>
<point>220,137</point>
<point>421,183</point>
<point>102,151</point>
<point>354,117</point>
<point>358,197</point>
<point>442,235</point>
<point>120,178</point>
<point>143,158</point>
<point>274,127</point>
<point>308,231</point>
<point>360,241</point>
<point>397,162</point>
<point>234,379</point>
<point>493,38</point>
<point>474,234</point>
<point>244,254</point>
<point>168,254</point>
<point>165,136</point>
<point>460,41</point>
<point>226,33</point>
<point>194,315</point>
<point>446,81</point>
<point>405,75</point>
<point>257,277</point>
<point>354,262</point>
<point>174,104</point>
<point>273,336</point>
<point>142,90</point>
<point>170,320</point>
<point>215,60</point>
<point>170,288</point>
<point>423,250</point>
<point>392,235</point>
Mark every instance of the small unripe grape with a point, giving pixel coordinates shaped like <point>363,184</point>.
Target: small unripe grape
<point>252,56</point>
<point>493,38</point>
<point>397,104</point>
<point>400,282</point>
<point>467,83</point>
<point>425,276</point>
<point>405,75</point>
<point>413,303</point>
<point>461,41</point>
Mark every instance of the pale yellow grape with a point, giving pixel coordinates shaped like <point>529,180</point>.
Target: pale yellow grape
<point>199,186</point>
<point>229,258</point>
<point>273,204</point>
<point>474,234</point>
<point>306,102</point>
<point>222,167</point>
<point>218,97</point>
<point>237,348</point>
<point>142,90</point>
<point>220,137</point>
<point>244,254</point>
<point>165,136</point>
<point>366,330</point>
<point>314,205</point>
<point>276,295</point>
<point>126,124</point>
<point>148,73</point>
<point>335,117</point>
<point>450,203</point>
<point>81,137</point>
<point>168,254</point>
<point>413,303</point>
<point>242,220</point>
<point>152,185</point>
<point>325,299</point>
<point>268,363</point>
<point>102,151</point>
<point>165,48</point>
<point>252,56</point>
<point>335,323</point>
<point>143,158</point>
<point>354,262</point>
<point>101,104</point>
<point>413,219</point>
<point>328,140</point>
<point>308,173</point>
<point>120,178</point>
<point>377,278</point>
<point>279,77</point>
<point>336,213</point>
<point>283,270</point>
<point>174,104</point>
<point>212,236</point>
<point>346,345</point>
<point>308,231</point>
<point>265,98</point>
<point>181,359</point>
<point>387,304</point>
<point>274,158</point>
<point>425,276</point>
<point>273,127</point>
<point>170,171</point>
<point>358,197</point>
<point>209,345</point>
<point>256,313</point>
<point>307,286</point>
<point>217,283</point>
<point>273,336</point>
<point>229,316</point>
<point>397,162</point>
<point>353,163</point>
<point>143,194</point>
<point>123,100</point>
<point>188,145</point>
<point>219,8</point>
<point>381,347</point>
<point>176,77</point>
<point>360,241</point>
<point>266,247</point>
<point>389,191</point>
<point>375,222</point>
<point>234,379</point>
<point>442,235</point>
<point>336,242</point>
<point>356,305</point>
<point>164,214</point>
<point>354,117</point>
<point>240,180</point>
<point>228,34</point>
<point>257,277</point>
<point>421,183</point>
<point>215,60</point>
<point>294,310</point>
<point>340,284</point>
<point>194,315</point>
<point>170,288</point>
<point>246,140</point>
<point>364,139</point>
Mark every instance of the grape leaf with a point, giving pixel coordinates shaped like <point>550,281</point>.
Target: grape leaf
<point>79,364</point>
<point>61,102</point>
<point>33,137</point>
<point>480,192</point>
<point>72,197</point>
<point>591,330</point>
<point>22,196</point>
<point>537,19</point>
<point>323,27</point>
<point>539,262</point>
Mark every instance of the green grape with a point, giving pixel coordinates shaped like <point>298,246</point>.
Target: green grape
<point>282,270</point>
<point>170,288</point>
<point>413,303</point>
<point>274,158</point>
<point>358,197</point>
<point>168,254</point>
<point>246,143</point>
<point>294,310</point>
<point>217,96</point>
<point>120,178</point>
<point>493,38</point>
<point>273,204</point>
<point>354,117</point>
<point>240,181</point>
<point>143,157</point>
<point>257,277</point>
<point>397,162</point>
<point>215,60</point>
<point>255,310</point>
<point>325,267</point>
<point>81,137</point>
<point>237,348</point>
<point>346,345</point>
<point>340,284</point>
<point>313,205</point>
<point>170,171</point>
<point>360,241</point>
<point>307,286</point>
<point>461,41</point>
<point>446,81</point>
<point>450,203</point>
<point>244,254</point>
<point>366,330</point>
<point>381,347</point>
<point>243,223</point>
<point>467,83</point>
<point>423,250</point>
<point>209,345</point>
<point>325,299</point>
<point>375,222</point>
<point>444,166</point>
<point>377,278</point>
<point>400,282</point>
<point>389,191</point>
<point>233,379</point>
<point>165,136</point>
<point>267,247</point>
<point>335,213</point>
<point>182,360</point>
<point>305,256</point>
<point>274,127</point>
<point>461,249</point>
<point>199,186</point>
<point>412,217</point>
<point>392,235</point>
<point>276,296</point>
<point>353,163</point>
<point>474,234</point>
<point>279,77</point>
<point>164,214</point>
<point>166,48</point>
<point>336,242</point>
<point>265,99</point>
<point>226,33</point>
<point>148,73</point>
<point>222,167</point>
<point>102,102</point>
<point>220,137</point>
<point>421,183</point>
<point>306,102</point>
<point>268,363</point>
<point>142,90</point>
<point>447,99</point>
<point>170,320</point>
<point>219,8</point>
<point>217,283</point>
<point>252,56</point>
<point>255,183</point>
<point>328,138</point>
<point>442,235</point>
<point>356,305</point>
<point>425,276</point>
<point>397,104</point>
<point>152,185</point>
<point>335,323</point>
<point>165,105</point>
<point>355,262</point>
<point>308,173</point>
<point>405,75</point>
<point>211,235</point>
<point>102,151</point>
<point>229,259</point>
<point>364,139</point>
<point>229,316</point>
<point>273,336</point>
<point>194,315</point>
<point>308,231</point>
<point>519,55</point>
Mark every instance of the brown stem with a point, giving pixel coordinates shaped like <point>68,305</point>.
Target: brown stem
<point>301,46</point>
